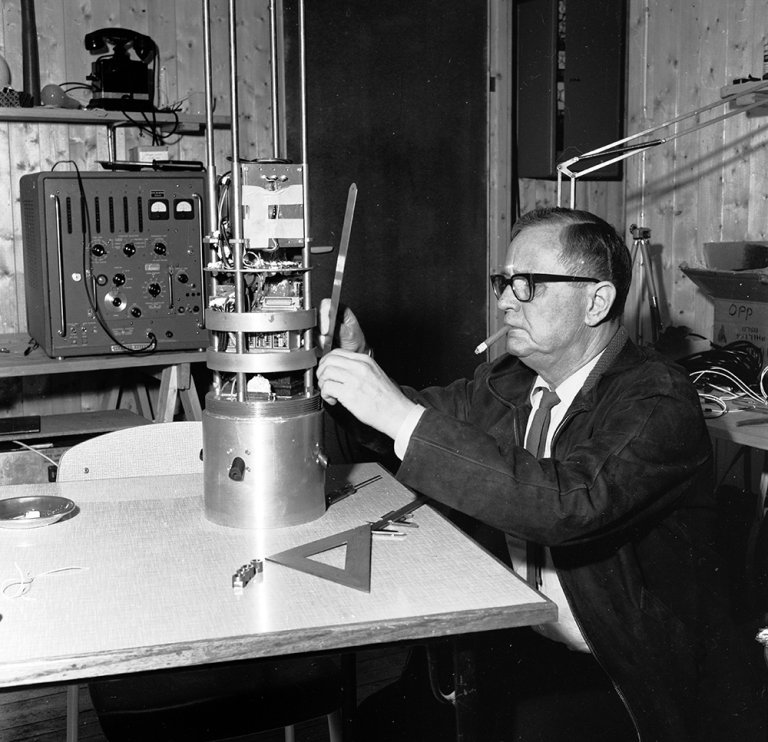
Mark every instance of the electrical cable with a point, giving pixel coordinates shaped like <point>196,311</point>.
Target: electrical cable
<point>66,86</point>
<point>727,373</point>
<point>151,346</point>
<point>23,583</point>
<point>34,450</point>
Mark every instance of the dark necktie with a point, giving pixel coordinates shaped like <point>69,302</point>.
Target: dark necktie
<point>535,443</point>
<point>537,435</point>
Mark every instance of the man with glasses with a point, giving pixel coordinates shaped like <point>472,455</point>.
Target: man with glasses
<point>609,511</point>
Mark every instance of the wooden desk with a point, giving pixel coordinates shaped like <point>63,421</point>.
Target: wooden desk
<point>174,369</point>
<point>152,584</point>
<point>726,428</point>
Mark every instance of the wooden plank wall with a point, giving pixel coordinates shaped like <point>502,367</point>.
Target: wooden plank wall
<point>706,186</point>
<point>176,27</point>
<point>710,185</point>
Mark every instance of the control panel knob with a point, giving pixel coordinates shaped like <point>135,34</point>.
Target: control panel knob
<point>154,289</point>
<point>116,301</point>
<point>98,250</point>
<point>118,279</point>
<point>129,249</point>
<point>182,278</point>
<point>136,311</point>
<point>237,469</point>
<point>160,248</point>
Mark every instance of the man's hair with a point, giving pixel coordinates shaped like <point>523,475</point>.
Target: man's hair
<point>590,247</point>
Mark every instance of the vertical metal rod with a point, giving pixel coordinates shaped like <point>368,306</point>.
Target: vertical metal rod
<point>211,226</point>
<point>112,141</point>
<point>210,162</point>
<point>281,76</point>
<point>236,203</point>
<point>275,81</point>
<point>209,156</point>
<point>309,377</point>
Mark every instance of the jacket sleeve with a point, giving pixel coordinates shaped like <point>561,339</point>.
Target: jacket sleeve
<point>454,400</point>
<point>628,451</point>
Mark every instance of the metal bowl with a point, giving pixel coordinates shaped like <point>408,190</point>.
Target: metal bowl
<point>33,512</point>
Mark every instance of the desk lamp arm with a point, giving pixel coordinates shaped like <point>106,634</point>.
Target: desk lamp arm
<point>622,152</point>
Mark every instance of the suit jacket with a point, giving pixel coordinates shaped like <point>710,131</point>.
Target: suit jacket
<point>626,504</point>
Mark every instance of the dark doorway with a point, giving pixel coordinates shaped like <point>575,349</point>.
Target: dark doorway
<point>396,103</point>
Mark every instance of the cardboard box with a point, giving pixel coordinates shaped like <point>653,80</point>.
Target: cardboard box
<point>148,154</point>
<point>736,256</point>
<point>736,279</point>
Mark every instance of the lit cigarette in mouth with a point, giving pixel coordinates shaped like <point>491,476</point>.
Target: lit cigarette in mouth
<point>488,342</point>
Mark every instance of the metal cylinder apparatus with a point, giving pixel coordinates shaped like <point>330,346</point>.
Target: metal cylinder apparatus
<point>262,425</point>
<point>269,467</point>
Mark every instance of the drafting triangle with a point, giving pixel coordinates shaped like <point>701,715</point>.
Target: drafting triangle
<point>357,562</point>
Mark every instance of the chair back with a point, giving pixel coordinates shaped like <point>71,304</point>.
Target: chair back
<point>145,450</point>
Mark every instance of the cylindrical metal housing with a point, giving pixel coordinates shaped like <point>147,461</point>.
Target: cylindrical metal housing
<point>262,461</point>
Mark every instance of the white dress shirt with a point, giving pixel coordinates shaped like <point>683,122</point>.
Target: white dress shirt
<point>565,629</point>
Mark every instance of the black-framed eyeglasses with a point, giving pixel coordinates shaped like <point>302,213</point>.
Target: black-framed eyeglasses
<point>524,284</point>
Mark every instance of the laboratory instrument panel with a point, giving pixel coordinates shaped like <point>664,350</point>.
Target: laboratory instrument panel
<point>113,261</point>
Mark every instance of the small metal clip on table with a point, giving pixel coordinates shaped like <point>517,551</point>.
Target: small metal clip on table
<point>150,584</point>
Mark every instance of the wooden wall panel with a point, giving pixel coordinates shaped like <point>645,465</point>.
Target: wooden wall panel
<point>176,26</point>
<point>701,187</point>
<point>707,186</point>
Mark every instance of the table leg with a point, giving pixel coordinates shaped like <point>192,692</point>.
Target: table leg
<point>134,385</point>
<point>466,700</point>
<point>177,382</point>
<point>142,400</point>
<point>166,399</point>
<point>188,392</point>
<point>349,695</point>
<point>73,710</point>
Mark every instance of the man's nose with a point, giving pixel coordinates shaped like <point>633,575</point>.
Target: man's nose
<point>508,300</point>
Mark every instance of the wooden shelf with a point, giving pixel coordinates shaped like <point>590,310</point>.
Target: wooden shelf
<point>748,93</point>
<point>14,363</point>
<point>80,423</point>
<point>51,115</point>
<point>172,367</point>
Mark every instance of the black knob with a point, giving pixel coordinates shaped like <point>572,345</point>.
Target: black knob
<point>154,289</point>
<point>160,248</point>
<point>136,311</point>
<point>118,279</point>
<point>237,469</point>
<point>182,278</point>
<point>117,301</point>
<point>98,250</point>
<point>130,249</point>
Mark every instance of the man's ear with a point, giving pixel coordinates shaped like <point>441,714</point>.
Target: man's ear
<point>601,298</point>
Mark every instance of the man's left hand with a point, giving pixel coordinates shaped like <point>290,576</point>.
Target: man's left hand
<point>358,382</point>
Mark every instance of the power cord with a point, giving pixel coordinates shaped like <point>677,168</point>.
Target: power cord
<point>151,346</point>
<point>726,373</point>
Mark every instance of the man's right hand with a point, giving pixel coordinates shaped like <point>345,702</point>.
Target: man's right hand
<point>359,383</point>
<point>350,334</point>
